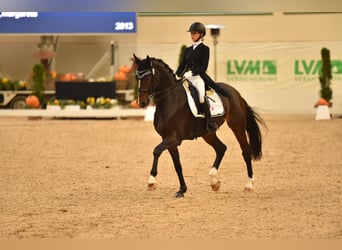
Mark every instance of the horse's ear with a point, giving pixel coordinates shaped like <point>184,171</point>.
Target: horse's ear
<point>136,59</point>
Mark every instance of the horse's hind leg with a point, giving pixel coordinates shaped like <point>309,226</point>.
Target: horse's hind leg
<point>240,134</point>
<point>220,150</point>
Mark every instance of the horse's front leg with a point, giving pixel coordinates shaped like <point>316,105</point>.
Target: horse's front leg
<point>178,167</point>
<point>158,150</point>
<point>152,181</point>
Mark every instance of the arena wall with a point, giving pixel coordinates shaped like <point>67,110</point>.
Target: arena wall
<point>162,35</point>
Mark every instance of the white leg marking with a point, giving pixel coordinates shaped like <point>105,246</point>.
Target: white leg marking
<point>152,180</point>
<point>213,174</point>
<point>213,171</point>
<point>249,185</point>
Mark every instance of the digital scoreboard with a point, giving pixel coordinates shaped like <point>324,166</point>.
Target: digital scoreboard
<point>67,22</point>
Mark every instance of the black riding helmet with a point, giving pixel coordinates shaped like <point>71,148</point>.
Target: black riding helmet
<point>198,27</point>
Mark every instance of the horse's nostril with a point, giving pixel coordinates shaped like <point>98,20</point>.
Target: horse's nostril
<point>142,104</point>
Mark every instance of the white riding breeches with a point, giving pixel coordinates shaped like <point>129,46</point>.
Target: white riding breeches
<point>198,82</point>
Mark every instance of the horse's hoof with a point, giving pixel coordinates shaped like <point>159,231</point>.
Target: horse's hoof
<point>248,189</point>
<point>249,186</point>
<point>216,186</point>
<point>151,186</point>
<point>179,195</point>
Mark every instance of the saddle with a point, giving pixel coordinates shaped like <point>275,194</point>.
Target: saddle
<point>215,102</point>
<point>210,84</point>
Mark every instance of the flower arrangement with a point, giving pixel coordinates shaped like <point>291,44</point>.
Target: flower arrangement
<point>7,84</point>
<point>62,103</point>
<point>101,102</point>
<point>95,103</point>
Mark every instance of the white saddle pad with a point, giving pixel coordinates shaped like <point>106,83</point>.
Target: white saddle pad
<point>216,107</point>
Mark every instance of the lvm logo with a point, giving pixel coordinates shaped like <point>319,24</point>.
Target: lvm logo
<point>308,70</point>
<point>252,70</point>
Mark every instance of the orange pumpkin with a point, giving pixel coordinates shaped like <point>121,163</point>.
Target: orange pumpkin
<point>124,69</point>
<point>32,101</point>
<point>322,101</point>
<point>134,104</point>
<point>53,73</point>
<point>120,76</point>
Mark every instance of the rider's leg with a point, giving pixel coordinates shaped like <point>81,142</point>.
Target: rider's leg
<point>211,125</point>
<point>198,82</point>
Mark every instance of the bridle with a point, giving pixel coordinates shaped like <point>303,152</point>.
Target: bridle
<point>158,95</point>
<point>142,74</point>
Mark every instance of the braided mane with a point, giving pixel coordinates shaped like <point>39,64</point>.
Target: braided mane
<point>166,66</point>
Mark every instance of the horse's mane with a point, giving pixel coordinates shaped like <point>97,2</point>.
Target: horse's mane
<point>166,66</point>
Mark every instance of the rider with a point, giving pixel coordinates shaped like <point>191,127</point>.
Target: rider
<point>195,63</point>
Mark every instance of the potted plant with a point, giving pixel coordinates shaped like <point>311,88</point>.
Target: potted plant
<point>181,54</point>
<point>325,80</point>
<point>38,79</point>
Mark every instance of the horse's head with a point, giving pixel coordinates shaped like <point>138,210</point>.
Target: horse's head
<point>147,83</point>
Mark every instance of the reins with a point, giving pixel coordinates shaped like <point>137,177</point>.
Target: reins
<point>165,92</point>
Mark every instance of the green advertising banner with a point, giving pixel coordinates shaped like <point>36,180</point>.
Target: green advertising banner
<point>280,76</point>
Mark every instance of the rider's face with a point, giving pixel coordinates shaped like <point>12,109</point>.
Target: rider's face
<point>195,36</point>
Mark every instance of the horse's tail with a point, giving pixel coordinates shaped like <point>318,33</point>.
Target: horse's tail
<point>253,132</point>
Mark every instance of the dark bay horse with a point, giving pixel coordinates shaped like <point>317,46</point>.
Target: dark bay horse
<point>174,121</point>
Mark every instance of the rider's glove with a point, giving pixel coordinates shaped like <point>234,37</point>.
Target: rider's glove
<point>187,74</point>
<point>178,78</point>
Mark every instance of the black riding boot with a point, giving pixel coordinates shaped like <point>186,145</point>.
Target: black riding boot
<point>211,125</point>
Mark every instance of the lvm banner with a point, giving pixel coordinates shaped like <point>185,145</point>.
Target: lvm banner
<point>280,77</point>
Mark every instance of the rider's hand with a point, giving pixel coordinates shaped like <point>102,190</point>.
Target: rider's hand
<point>178,78</point>
<point>187,74</point>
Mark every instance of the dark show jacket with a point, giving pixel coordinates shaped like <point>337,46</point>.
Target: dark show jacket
<point>196,60</point>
